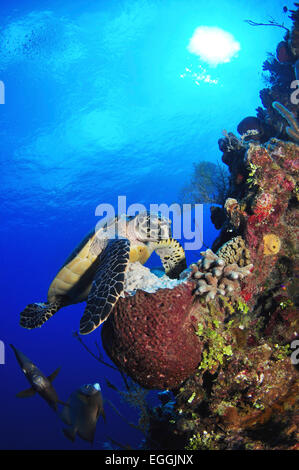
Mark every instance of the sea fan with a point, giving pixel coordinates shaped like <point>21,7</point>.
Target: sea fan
<point>209,184</point>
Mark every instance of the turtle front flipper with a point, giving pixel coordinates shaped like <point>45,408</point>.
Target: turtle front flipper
<point>172,257</point>
<point>35,315</point>
<point>107,285</point>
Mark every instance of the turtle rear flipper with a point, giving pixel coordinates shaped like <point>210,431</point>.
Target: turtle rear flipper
<point>107,285</point>
<point>35,315</point>
<point>172,257</point>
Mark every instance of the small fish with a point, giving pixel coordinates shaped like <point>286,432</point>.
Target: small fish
<point>39,382</point>
<point>285,9</point>
<point>82,412</point>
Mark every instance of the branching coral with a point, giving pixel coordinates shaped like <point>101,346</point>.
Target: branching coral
<point>215,277</point>
<point>293,129</point>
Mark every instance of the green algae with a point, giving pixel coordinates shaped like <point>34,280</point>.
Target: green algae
<point>216,345</point>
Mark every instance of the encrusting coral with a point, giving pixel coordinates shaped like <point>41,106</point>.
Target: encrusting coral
<point>235,251</point>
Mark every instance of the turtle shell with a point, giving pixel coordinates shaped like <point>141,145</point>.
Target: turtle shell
<point>73,280</point>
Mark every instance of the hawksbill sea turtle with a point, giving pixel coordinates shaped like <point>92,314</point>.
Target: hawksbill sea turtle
<point>95,271</point>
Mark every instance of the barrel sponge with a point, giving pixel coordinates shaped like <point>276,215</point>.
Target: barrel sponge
<point>150,336</point>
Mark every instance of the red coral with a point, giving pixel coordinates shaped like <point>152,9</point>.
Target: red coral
<point>260,157</point>
<point>151,336</point>
<point>288,185</point>
<point>246,295</point>
<point>252,237</point>
<point>290,164</point>
<point>239,178</point>
<point>264,205</point>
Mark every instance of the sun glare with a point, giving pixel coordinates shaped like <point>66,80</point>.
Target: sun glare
<point>213,45</point>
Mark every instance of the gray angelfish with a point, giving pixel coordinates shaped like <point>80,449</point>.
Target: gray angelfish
<point>82,412</point>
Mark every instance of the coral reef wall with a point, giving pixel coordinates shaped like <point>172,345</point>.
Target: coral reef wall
<point>223,341</point>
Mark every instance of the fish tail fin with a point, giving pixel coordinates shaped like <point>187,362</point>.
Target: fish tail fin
<point>70,433</point>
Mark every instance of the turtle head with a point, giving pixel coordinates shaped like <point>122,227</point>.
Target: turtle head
<point>151,226</point>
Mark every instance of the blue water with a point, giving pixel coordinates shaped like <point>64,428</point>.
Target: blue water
<point>95,107</point>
